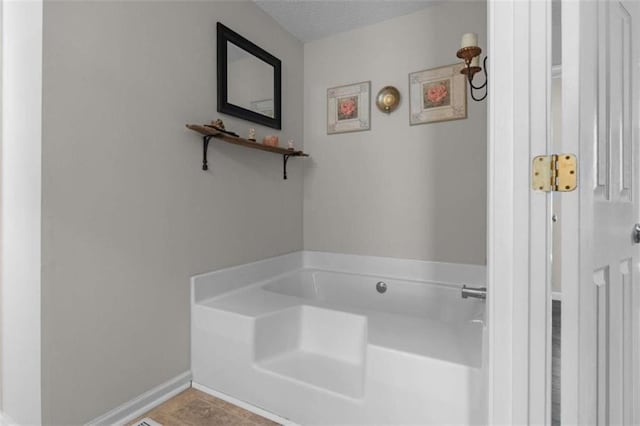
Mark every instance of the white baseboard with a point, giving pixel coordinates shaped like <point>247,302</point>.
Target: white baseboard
<point>245,405</point>
<point>145,402</point>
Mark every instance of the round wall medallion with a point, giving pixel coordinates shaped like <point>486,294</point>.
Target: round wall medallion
<point>388,99</point>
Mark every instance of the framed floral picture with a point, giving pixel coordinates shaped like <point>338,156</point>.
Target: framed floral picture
<point>438,94</point>
<point>349,108</point>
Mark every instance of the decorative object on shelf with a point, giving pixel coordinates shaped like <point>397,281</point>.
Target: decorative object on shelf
<point>437,94</point>
<point>219,125</point>
<point>388,99</point>
<point>252,134</point>
<point>209,132</point>
<point>470,53</point>
<point>349,108</point>
<point>271,140</point>
<point>290,146</point>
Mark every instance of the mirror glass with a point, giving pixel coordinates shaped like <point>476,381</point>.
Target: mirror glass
<point>249,80</point>
<point>250,83</point>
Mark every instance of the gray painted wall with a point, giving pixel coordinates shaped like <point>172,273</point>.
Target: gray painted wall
<point>416,192</point>
<point>128,215</point>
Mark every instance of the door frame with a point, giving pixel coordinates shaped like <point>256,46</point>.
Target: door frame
<point>21,211</point>
<point>518,269</point>
<point>519,343</point>
<point>575,85</point>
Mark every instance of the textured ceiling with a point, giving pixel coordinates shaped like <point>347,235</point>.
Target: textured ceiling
<point>311,20</point>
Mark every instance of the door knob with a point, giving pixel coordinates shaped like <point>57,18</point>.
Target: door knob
<point>636,233</point>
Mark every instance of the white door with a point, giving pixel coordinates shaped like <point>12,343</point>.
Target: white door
<point>600,261</point>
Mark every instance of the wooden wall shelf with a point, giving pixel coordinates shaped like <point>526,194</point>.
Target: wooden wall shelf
<point>209,132</point>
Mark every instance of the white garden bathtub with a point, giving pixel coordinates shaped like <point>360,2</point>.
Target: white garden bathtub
<point>308,336</point>
<point>403,297</point>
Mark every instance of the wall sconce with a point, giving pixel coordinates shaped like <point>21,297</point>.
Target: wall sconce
<point>388,99</point>
<point>470,53</point>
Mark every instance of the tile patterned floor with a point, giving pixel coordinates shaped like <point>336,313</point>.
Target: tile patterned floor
<point>195,408</point>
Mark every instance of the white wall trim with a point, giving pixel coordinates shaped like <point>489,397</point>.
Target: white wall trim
<point>518,276</point>
<point>500,238</point>
<point>2,36</point>
<point>145,402</point>
<point>21,211</point>
<point>245,405</point>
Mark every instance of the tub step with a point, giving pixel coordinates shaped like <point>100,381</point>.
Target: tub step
<point>319,347</point>
<point>320,371</point>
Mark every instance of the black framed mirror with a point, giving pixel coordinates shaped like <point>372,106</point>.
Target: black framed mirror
<point>249,80</point>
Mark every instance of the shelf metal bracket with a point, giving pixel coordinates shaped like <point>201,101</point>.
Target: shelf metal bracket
<point>205,146</point>
<point>285,158</point>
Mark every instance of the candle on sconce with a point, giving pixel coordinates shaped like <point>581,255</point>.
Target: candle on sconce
<point>469,40</point>
<point>471,53</point>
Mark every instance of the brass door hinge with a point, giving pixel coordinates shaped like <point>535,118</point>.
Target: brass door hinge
<point>556,173</point>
